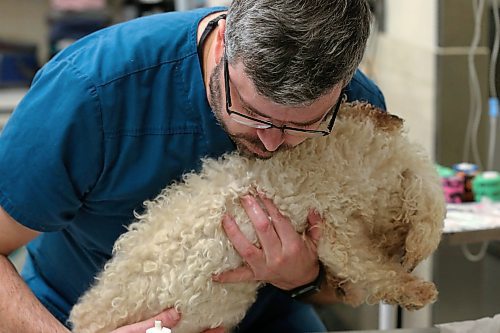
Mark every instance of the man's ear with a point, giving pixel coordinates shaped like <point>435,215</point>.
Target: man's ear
<point>220,41</point>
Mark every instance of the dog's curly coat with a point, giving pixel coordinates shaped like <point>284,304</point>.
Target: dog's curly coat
<point>378,193</point>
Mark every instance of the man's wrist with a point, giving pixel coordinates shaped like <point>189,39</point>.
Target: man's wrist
<point>309,288</point>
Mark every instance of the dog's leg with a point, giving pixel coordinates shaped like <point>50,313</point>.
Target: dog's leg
<point>424,211</point>
<point>362,264</point>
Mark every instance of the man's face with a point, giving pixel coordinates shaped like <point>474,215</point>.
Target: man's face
<point>263,143</point>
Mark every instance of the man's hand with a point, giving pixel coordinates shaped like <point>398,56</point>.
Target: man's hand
<point>286,259</point>
<point>169,318</point>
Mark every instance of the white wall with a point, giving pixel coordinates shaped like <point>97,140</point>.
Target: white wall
<point>412,20</point>
<point>25,21</point>
<point>404,65</point>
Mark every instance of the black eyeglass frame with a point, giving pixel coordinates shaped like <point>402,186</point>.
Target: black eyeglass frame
<point>282,128</point>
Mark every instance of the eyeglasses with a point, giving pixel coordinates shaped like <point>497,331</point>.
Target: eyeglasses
<point>264,124</point>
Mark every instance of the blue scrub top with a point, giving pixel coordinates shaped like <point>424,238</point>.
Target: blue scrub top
<point>108,123</point>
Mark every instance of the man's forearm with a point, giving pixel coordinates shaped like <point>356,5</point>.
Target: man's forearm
<point>20,310</point>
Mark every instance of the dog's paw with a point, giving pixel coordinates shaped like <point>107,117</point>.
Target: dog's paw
<point>410,262</point>
<point>417,294</point>
<point>411,295</point>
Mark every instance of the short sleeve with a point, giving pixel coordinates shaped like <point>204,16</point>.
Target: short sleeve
<point>51,149</point>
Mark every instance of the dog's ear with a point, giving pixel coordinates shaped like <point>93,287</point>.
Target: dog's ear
<point>423,211</point>
<point>381,119</point>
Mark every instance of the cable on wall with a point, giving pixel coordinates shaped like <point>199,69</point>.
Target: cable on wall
<point>475,257</point>
<point>493,101</point>
<point>475,107</point>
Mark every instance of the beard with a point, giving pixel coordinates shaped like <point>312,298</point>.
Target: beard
<point>247,145</point>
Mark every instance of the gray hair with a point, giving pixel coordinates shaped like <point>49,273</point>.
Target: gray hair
<point>295,51</point>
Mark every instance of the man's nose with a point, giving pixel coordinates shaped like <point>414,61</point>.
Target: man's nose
<point>272,138</point>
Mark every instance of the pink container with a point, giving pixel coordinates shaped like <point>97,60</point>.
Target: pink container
<point>453,188</point>
<point>77,5</point>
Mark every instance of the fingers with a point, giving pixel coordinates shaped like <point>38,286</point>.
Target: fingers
<point>285,258</point>
<point>242,245</point>
<point>215,330</point>
<point>315,230</point>
<point>264,224</point>
<point>240,274</point>
<point>169,318</point>
<point>250,254</point>
<point>282,225</point>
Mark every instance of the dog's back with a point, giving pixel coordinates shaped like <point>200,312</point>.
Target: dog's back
<point>377,193</point>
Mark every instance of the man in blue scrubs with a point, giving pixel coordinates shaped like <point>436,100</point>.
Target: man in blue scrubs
<point>124,112</point>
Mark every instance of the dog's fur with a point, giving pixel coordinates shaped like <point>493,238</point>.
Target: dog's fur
<point>378,193</point>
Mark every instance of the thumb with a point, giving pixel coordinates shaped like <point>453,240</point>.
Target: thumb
<point>240,274</point>
<point>169,318</point>
<point>315,221</point>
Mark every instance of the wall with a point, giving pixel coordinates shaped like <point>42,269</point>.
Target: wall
<point>405,65</point>
<point>25,21</point>
<point>421,65</point>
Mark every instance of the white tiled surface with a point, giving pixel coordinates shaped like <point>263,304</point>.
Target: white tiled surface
<point>9,98</point>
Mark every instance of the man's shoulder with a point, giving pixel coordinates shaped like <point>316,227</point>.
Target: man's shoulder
<point>142,44</point>
<point>361,88</point>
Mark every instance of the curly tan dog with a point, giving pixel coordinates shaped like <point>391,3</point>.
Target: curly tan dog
<point>378,194</point>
